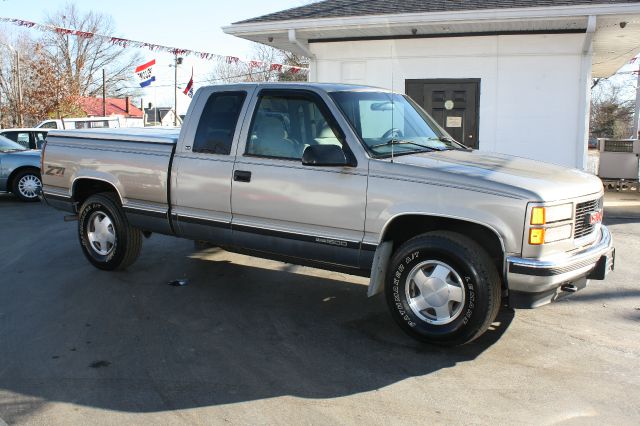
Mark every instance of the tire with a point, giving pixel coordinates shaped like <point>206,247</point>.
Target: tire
<point>443,288</point>
<point>106,238</point>
<point>26,185</point>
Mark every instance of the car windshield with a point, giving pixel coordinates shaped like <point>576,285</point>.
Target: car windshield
<point>392,124</point>
<point>7,145</point>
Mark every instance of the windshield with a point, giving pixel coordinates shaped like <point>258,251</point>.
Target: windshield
<point>389,123</point>
<point>7,145</point>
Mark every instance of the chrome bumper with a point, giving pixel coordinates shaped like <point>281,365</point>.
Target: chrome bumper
<point>541,280</point>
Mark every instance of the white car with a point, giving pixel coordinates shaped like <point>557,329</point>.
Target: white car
<point>81,123</point>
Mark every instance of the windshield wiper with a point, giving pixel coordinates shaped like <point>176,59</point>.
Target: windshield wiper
<point>453,142</point>
<point>391,142</point>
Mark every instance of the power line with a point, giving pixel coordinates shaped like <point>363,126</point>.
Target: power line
<point>127,43</point>
<point>210,80</point>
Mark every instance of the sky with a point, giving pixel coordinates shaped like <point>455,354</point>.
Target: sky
<point>187,24</point>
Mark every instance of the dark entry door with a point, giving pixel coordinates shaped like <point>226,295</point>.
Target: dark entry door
<point>453,103</point>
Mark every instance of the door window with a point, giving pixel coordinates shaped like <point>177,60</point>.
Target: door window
<point>11,135</point>
<point>49,125</point>
<point>218,123</point>
<point>101,124</point>
<point>40,137</point>
<point>284,125</point>
<point>21,137</point>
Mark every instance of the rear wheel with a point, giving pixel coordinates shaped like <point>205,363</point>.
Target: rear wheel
<point>27,184</point>
<point>443,288</point>
<point>108,240</point>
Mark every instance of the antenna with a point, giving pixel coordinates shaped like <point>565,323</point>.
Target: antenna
<point>392,100</point>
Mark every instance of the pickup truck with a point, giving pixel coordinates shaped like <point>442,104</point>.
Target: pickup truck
<point>340,177</point>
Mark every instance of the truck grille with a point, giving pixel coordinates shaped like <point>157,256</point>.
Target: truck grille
<point>583,210</point>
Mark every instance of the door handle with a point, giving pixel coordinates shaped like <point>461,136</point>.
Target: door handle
<point>242,176</point>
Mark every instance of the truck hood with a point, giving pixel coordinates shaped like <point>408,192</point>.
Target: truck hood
<point>535,180</point>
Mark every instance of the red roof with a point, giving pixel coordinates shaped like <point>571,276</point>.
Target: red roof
<point>93,107</point>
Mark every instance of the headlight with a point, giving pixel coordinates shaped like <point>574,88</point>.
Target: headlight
<point>544,215</point>
<point>558,233</point>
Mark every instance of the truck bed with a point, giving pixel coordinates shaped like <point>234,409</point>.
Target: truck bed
<point>134,161</point>
<point>161,135</point>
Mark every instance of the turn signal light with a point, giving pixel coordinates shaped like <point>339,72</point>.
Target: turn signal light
<point>537,216</point>
<point>536,236</point>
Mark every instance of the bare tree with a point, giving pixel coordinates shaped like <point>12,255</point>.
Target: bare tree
<point>259,67</point>
<point>11,73</point>
<point>59,67</point>
<point>44,90</point>
<point>80,60</point>
<point>612,109</point>
<point>296,61</point>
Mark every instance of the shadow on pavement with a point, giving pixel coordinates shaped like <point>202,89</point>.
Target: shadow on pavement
<point>130,342</point>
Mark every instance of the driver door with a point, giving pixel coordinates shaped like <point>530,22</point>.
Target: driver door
<point>283,207</point>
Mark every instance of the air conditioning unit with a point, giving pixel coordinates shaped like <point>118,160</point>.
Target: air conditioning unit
<point>619,159</point>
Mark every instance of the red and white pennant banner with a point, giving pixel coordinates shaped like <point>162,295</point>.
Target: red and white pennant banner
<point>126,43</point>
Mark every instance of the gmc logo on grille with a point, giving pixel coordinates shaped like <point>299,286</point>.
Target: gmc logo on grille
<point>595,217</point>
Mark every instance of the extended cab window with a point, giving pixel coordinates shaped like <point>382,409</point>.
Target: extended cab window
<point>218,123</point>
<point>284,125</point>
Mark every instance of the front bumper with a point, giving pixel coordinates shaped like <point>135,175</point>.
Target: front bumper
<point>535,282</point>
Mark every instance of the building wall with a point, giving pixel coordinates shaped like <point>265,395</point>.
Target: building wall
<point>532,90</point>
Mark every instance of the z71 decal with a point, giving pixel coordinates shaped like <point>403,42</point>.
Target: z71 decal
<point>54,171</point>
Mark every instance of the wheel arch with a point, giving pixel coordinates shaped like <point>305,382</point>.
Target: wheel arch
<point>84,187</point>
<point>402,227</point>
<point>17,171</point>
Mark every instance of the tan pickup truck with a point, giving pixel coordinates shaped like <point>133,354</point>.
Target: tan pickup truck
<point>340,177</point>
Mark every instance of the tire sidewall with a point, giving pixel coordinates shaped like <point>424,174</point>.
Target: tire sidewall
<point>103,205</point>
<point>16,184</point>
<point>473,311</point>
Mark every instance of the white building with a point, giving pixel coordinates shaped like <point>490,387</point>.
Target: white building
<point>511,76</point>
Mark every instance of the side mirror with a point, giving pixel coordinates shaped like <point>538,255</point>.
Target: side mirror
<point>324,155</point>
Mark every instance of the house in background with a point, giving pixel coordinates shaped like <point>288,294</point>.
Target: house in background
<point>160,116</point>
<point>128,114</point>
<point>511,76</point>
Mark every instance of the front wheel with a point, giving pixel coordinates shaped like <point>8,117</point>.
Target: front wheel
<point>107,239</point>
<point>27,184</point>
<point>443,288</point>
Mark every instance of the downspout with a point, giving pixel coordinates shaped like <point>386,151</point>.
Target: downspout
<point>304,48</point>
<point>591,30</point>
<point>584,101</point>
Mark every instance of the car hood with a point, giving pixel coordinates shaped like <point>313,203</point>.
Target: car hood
<point>535,180</point>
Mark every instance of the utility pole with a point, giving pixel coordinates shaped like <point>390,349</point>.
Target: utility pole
<point>177,61</point>
<point>104,94</point>
<point>636,118</point>
<point>19,81</point>
<point>19,78</point>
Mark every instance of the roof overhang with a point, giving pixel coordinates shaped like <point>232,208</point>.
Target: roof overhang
<point>613,46</point>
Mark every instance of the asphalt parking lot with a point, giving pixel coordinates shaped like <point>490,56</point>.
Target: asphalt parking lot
<point>261,342</point>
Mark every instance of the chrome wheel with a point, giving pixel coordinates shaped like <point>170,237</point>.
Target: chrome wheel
<point>435,292</point>
<point>101,234</point>
<point>28,186</point>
